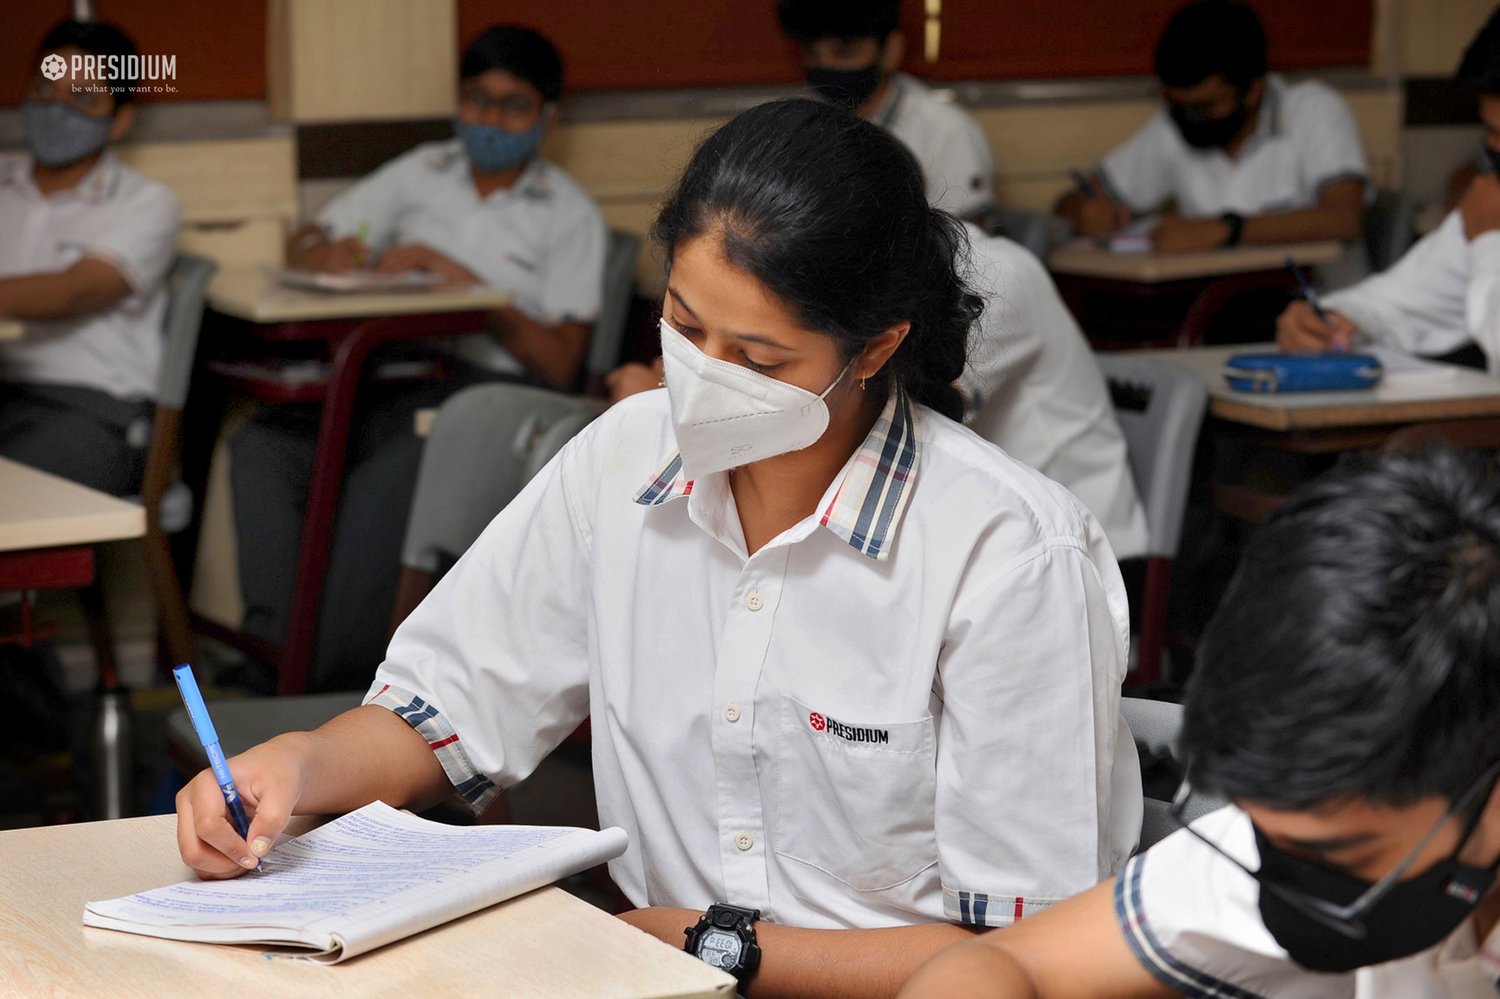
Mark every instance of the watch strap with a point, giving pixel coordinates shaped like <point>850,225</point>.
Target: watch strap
<point>1235,223</point>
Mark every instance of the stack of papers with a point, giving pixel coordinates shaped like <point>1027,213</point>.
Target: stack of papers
<point>353,281</point>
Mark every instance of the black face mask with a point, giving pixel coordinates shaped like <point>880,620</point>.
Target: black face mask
<point>848,88</point>
<point>1489,159</point>
<point>1413,916</point>
<point>1202,132</point>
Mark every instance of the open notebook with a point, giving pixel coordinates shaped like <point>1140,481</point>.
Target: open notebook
<point>362,881</point>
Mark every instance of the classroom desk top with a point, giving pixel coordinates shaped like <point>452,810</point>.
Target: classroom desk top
<point>247,293</point>
<point>546,944</point>
<point>1459,393</point>
<point>39,510</point>
<point>1085,258</point>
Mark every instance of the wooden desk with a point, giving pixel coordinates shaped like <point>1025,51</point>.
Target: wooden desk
<point>247,293</point>
<point>347,328</point>
<point>48,529</point>
<point>1086,258</point>
<point>1135,300</point>
<point>547,944</point>
<point>1462,405</point>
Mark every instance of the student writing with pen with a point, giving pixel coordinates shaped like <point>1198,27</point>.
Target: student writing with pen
<point>1442,299</point>
<point>1239,155</point>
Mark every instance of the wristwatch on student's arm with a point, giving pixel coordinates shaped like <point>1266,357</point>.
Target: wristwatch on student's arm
<point>724,938</point>
<point>1235,223</point>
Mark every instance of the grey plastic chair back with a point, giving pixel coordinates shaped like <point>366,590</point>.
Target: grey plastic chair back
<point>1160,408</point>
<point>187,286</point>
<point>485,445</point>
<point>1039,232</point>
<point>605,345</point>
<point>1155,725</point>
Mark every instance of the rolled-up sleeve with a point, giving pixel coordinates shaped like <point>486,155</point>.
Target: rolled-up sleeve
<point>1029,753</point>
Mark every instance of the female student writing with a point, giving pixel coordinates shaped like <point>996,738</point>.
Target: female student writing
<point>851,669</point>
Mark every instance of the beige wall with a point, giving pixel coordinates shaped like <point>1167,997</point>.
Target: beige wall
<point>1425,37</point>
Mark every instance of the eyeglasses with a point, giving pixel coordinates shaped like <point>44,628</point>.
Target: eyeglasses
<point>1345,919</point>
<point>513,107</point>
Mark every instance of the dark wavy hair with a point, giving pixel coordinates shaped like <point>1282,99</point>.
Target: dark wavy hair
<point>1357,650</point>
<point>830,213</point>
<point>1480,68</point>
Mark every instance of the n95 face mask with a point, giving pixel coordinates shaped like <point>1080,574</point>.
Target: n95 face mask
<point>725,415</point>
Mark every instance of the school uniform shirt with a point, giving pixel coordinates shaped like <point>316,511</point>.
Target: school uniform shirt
<point>1033,387</point>
<point>115,215</point>
<point>952,150</point>
<point>1193,920</point>
<point>542,240</point>
<point>1443,294</point>
<point>904,708</point>
<point>1305,138</point>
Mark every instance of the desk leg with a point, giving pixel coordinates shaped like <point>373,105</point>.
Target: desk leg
<point>349,358</point>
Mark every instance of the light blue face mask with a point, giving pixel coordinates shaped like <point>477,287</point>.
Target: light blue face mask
<point>492,149</point>
<point>60,134</point>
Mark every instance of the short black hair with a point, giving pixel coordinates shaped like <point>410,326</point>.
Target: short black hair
<point>1480,68</point>
<point>1212,38</point>
<point>519,51</point>
<point>1356,653</point>
<point>95,38</point>
<point>807,21</point>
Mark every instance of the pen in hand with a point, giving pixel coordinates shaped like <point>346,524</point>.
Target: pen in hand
<point>197,711</point>
<point>1084,184</point>
<point>1310,296</point>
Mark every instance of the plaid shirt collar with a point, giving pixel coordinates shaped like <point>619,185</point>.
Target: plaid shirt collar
<point>864,504</point>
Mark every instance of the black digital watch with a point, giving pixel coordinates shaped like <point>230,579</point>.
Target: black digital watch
<point>724,938</point>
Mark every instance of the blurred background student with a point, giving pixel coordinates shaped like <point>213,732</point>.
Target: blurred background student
<point>85,246</point>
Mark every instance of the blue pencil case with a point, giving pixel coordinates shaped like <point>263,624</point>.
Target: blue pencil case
<point>1302,372</point>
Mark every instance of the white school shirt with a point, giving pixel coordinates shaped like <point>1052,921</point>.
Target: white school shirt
<point>1193,920</point>
<point>115,215</point>
<point>950,146</point>
<point>1443,294</point>
<point>1033,388</point>
<point>542,240</point>
<point>904,708</point>
<point>1305,139</point>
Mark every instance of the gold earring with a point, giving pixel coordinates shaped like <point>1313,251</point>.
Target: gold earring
<point>862,382</point>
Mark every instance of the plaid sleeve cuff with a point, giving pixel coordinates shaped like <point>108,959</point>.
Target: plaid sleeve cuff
<point>1150,951</point>
<point>471,784</point>
<point>972,908</point>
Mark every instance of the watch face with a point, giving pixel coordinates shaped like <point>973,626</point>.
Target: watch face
<point>720,949</point>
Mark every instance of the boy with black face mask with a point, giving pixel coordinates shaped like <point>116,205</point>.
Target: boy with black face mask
<point>1348,701</point>
<point>1243,156</point>
<point>850,50</point>
<point>86,249</point>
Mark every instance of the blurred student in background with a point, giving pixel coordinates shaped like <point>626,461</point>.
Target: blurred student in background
<point>1239,155</point>
<point>480,209</point>
<point>87,246</point>
<point>850,53</point>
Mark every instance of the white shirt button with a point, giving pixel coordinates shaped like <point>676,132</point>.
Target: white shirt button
<point>744,841</point>
<point>753,601</point>
<point>732,713</point>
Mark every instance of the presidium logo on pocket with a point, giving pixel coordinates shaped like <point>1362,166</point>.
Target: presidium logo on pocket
<point>822,723</point>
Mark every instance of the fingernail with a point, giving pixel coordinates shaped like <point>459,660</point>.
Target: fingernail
<point>260,846</point>
<point>248,863</point>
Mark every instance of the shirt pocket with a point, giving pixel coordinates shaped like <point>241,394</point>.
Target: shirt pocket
<point>855,799</point>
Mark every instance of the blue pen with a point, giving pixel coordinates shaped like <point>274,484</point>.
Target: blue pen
<point>204,726</point>
<point>1310,296</point>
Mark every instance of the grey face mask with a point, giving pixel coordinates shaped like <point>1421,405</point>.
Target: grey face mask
<point>60,134</point>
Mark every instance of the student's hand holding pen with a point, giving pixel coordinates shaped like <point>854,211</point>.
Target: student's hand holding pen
<point>1091,210</point>
<point>270,779</point>
<point>1301,330</point>
<point>347,254</point>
